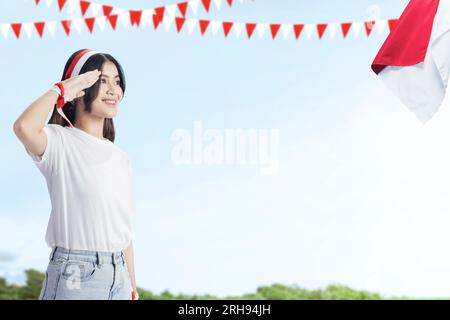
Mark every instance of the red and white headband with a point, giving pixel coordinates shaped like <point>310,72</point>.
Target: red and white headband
<point>72,71</point>
<point>78,63</point>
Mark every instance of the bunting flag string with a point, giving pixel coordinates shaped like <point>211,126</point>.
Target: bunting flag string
<point>155,17</point>
<point>166,15</point>
<point>95,8</point>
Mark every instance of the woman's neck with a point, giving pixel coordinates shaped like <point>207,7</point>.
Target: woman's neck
<point>92,126</point>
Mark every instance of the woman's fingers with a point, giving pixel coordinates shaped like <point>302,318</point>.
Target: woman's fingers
<point>94,74</point>
<point>92,78</point>
<point>75,85</point>
<point>88,79</point>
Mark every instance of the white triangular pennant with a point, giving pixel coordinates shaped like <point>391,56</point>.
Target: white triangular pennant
<point>78,24</point>
<point>285,29</point>
<point>124,18</point>
<point>261,28</point>
<point>147,16</point>
<point>28,28</point>
<point>101,22</point>
<point>48,3</point>
<point>171,9</point>
<point>332,28</point>
<point>190,24</point>
<point>72,6</point>
<point>95,8</point>
<point>380,25</point>
<point>51,26</point>
<point>167,20</point>
<point>309,29</point>
<point>193,4</point>
<point>117,10</point>
<point>357,26</point>
<point>215,26</point>
<point>4,27</point>
<point>218,3</point>
<point>238,28</point>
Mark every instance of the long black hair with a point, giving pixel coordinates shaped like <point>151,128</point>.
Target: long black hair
<point>96,61</point>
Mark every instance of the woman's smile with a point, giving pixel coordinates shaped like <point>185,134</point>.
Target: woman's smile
<point>110,102</point>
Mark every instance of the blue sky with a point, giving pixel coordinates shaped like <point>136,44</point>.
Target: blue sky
<point>361,196</point>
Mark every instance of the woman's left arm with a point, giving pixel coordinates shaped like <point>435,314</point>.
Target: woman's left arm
<point>129,257</point>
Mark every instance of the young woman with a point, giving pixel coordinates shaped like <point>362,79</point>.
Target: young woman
<point>89,180</point>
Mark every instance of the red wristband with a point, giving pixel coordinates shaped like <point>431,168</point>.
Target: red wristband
<point>60,102</point>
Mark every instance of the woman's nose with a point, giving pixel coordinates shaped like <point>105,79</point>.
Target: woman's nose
<point>111,89</point>
<point>114,92</point>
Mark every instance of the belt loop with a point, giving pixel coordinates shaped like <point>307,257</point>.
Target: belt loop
<point>52,253</point>
<point>123,258</point>
<point>98,259</point>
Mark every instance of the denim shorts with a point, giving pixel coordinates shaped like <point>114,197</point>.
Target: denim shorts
<point>86,275</point>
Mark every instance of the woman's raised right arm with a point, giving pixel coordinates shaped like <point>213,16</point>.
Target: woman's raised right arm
<point>29,127</point>
<point>30,124</point>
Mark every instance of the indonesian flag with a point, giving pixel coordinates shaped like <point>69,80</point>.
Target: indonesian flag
<point>414,61</point>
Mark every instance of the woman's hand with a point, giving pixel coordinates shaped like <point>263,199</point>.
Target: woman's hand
<point>134,295</point>
<point>74,87</point>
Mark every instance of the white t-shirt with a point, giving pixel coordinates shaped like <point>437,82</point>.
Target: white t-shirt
<point>90,185</point>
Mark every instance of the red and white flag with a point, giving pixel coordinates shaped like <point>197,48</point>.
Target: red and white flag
<point>414,61</point>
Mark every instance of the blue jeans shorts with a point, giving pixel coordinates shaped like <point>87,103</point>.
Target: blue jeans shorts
<point>86,275</point>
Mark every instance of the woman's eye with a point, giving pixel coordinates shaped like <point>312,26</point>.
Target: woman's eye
<point>104,81</point>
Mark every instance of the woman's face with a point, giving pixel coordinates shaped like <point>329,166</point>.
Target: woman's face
<point>109,94</point>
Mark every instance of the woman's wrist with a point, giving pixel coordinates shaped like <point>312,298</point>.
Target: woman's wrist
<point>56,89</point>
<point>59,88</point>
<point>55,93</point>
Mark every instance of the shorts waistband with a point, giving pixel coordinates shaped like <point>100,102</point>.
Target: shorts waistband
<point>100,257</point>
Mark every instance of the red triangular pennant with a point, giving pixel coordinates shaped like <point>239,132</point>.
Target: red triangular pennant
<point>157,20</point>
<point>113,20</point>
<point>206,4</point>
<point>160,11</point>
<point>135,17</point>
<point>179,22</point>
<point>84,5</point>
<point>369,26</point>
<point>61,4</point>
<point>203,25</point>
<point>250,28</point>
<point>345,28</point>
<point>227,27</point>
<point>39,28</point>
<point>37,1</point>
<point>90,23</point>
<point>107,10</point>
<point>274,28</point>
<point>66,26</point>
<point>230,2</point>
<point>298,28</point>
<point>16,28</point>
<point>321,27</point>
<point>183,7</point>
<point>392,24</point>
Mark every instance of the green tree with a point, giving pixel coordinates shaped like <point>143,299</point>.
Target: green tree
<point>8,292</point>
<point>33,286</point>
